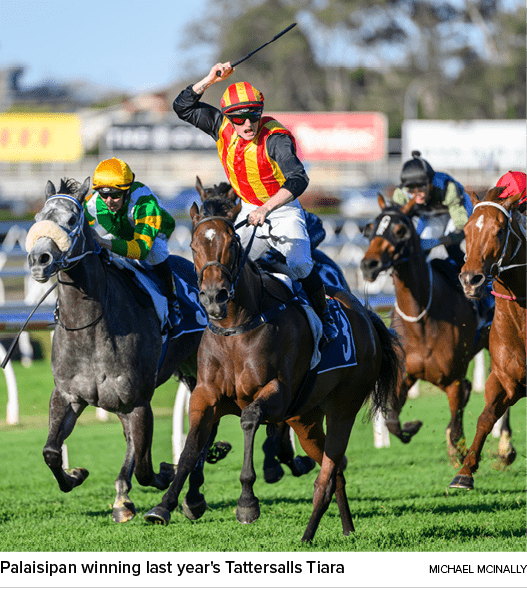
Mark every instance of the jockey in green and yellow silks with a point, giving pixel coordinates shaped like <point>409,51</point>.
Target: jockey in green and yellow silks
<point>128,220</point>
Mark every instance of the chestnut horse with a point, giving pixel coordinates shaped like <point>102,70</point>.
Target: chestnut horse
<point>495,239</point>
<point>254,359</point>
<point>436,322</point>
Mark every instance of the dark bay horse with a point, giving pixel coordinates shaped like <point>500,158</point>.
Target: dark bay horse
<point>253,360</point>
<point>106,346</point>
<point>495,239</point>
<point>436,322</point>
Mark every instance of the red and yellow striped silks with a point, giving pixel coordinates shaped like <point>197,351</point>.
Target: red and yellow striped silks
<point>252,173</point>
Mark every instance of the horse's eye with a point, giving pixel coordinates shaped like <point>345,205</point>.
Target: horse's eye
<point>72,220</point>
<point>500,233</point>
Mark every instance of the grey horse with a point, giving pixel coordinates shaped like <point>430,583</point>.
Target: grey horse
<point>106,348</point>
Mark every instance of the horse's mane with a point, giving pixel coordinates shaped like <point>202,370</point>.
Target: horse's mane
<point>218,206</point>
<point>69,186</point>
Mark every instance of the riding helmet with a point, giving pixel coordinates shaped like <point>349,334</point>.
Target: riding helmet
<point>241,97</point>
<point>114,174</point>
<point>417,171</point>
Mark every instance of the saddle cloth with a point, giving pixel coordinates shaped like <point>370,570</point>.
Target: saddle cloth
<point>194,317</point>
<point>337,353</point>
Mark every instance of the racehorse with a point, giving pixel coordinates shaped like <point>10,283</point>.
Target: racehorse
<point>436,322</point>
<point>255,357</point>
<point>106,347</point>
<point>495,239</point>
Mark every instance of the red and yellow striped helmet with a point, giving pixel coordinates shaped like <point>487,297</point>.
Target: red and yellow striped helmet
<point>241,96</point>
<point>113,173</point>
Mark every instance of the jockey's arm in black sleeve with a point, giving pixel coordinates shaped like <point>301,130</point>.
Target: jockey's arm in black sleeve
<point>189,108</point>
<point>282,150</point>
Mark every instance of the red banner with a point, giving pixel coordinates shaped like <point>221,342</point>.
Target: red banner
<point>355,137</point>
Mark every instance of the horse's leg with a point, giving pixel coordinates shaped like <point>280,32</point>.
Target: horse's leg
<point>248,509</point>
<point>62,419</point>
<point>123,508</point>
<point>201,418</point>
<point>194,504</point>
<point>496,403</point>
<point>298,465</point>
<point>458,394</point>
<point>272,469</point>
<point>408,429</point>
<point>330,479</point>
<point>506,452</point>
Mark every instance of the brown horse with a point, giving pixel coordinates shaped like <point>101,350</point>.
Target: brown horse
<point>254,361</point>
<point>496,250</point>
<point>436,322</point>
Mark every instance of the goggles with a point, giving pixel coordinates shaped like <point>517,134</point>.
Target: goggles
<point>240,118</point>
<point>110,193</point>
<point>416,188</point>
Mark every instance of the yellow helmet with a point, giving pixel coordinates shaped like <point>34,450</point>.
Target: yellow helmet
<point>113,173</point>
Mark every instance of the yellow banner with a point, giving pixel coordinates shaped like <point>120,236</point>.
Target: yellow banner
<point>42,137</point>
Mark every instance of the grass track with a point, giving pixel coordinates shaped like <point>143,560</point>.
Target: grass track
<point>399,496</point>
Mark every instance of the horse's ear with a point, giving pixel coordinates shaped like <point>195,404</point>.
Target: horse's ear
<point>83,190</point>
<point>200,189</point>
<point>474,198</point>
<point>494,193</point>
<point>406,209</point>
<point>50,190</point>
<point>194,211</point>
<point>509,202</point>
<point>381,200</point>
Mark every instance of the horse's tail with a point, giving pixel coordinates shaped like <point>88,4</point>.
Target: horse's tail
<point>384,394</point>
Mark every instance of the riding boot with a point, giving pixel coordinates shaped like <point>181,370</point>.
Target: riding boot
<point>164,274</point>
<point>314,288</point>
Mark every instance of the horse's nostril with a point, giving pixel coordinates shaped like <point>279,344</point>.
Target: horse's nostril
<point>222,296</point>
<point>477,280</point>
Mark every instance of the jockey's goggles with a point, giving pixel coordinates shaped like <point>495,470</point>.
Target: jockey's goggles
<point>110,193</point>
<point>416,188</point>
<point>240,118</point>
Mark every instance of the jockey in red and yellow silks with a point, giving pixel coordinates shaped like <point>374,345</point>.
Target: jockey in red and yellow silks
<point>259,158</point>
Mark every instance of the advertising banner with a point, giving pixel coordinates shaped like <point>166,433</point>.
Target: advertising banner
<point>40,137</point>
<point>349,137</point>
<point>495,145</point>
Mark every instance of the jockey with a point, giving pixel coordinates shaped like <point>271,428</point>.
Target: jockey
<point>442,204</point>
<point>514,183</point>
<point>127,219</point>
<point>259,157</point>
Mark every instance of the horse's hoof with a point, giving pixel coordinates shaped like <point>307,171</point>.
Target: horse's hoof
<point>273,474</point>
<point>195,511</point>
<point>465,482</point>
<point>410,429</point>
<point>302,465</point>
<point>247,515</point>
<point>218,451</point>
<point>75,477</point>
<point>124,513</point>
<point>167,472</point>
<point>158,515</point>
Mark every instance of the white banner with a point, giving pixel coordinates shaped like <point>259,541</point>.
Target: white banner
<point>482,145</point>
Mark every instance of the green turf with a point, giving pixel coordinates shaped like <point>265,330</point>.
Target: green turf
<point>399,496</point>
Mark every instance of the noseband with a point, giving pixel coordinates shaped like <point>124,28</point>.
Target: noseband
<point>75,234</point>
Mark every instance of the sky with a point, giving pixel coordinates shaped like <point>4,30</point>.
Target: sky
<point>126,44</point>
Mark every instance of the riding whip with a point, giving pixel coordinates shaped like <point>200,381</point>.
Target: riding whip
<point>239,61</point>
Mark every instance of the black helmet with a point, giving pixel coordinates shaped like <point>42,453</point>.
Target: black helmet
<point>416,172</point>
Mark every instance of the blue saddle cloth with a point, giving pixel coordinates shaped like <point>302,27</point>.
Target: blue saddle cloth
<point>339,352</point>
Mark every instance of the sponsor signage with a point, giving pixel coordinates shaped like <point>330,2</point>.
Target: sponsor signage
<point>495,145</point>
<point>355,137</point>
<point>32,137</point>
<point>160,137</point>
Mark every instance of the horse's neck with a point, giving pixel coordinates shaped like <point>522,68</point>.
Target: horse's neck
<point>82,286</point>
<point>247,298</point>
<point>412,284</point>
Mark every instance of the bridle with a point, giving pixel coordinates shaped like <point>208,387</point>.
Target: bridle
<point>67,261</point>
<point>499,264</point>
<point>234,274</point>
<point>383,229</point>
